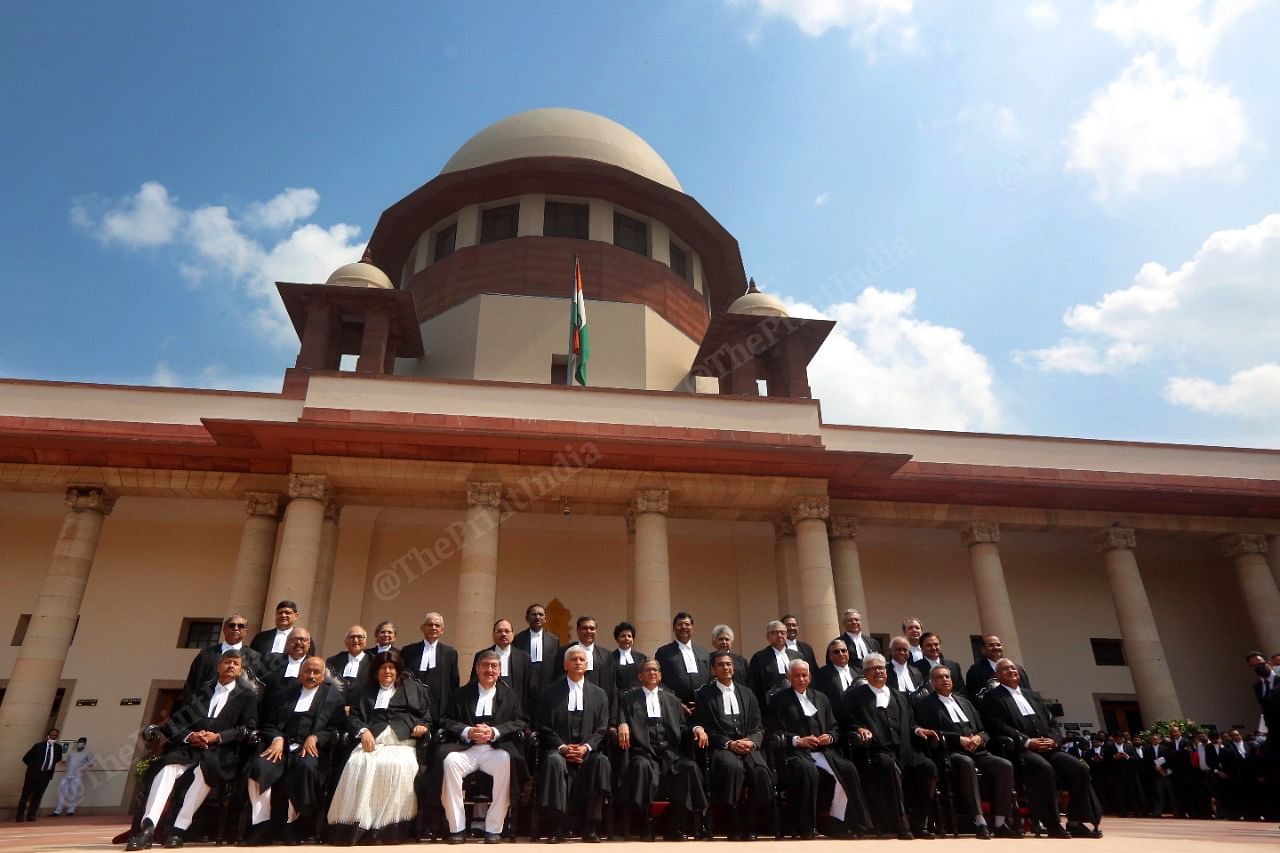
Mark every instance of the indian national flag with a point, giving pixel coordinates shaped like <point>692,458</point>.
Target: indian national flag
<point>579,348</point>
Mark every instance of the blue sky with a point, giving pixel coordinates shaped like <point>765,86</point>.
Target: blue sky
<point>1037,217</point>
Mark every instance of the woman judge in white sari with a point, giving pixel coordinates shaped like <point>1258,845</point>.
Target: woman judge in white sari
<point>375,796</point>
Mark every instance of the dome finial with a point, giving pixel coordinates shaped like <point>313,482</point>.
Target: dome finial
<point>757,302</point>
<point>751,285</point>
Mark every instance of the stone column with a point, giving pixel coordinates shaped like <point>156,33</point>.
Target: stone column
<point>630,518</point>
<point>1261,596</point>
<point>1142,648</point>
<point>652,568</point>
<point>819,621</point>
<point>846,565</point>
<point>784,566</point>
<point>252,573</point>
<point>33,682</point>
<point>478,575</point>
<point>995,612</point>
<point>324,576</point>
<point>294,577</point>
<point>1273,557</point>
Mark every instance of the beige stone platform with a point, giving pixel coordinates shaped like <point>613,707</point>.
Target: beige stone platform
<point>1122,836</point>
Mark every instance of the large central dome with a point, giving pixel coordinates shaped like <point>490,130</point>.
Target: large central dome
<point>560,132</point>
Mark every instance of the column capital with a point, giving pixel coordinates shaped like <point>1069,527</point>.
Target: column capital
<point>1237,544</point>
<point>262,503</point>
<point>976,532</point>
<point>1114,539</point>
<point>95,498</point>
<point>314,486</point>
<point>810,506</point>
<point>651,500</point>
<point>487,494</point>
<point>783,527</point>
<point>843,526</point>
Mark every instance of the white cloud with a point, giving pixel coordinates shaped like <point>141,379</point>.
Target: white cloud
<point>1252,394</point>
<point>882,365</point>
<point>1190,29</point>
<point>285,209</point>
<point>990,120</point>
<point>213,376</point>
<point>214,246</point>
<point>1152,123</point>
<point>869,22</point>
<point>1216,312</point>
<point>822,198</point>
<point>164,376</point>
<point>1043,14</point>
<point>145,220</point>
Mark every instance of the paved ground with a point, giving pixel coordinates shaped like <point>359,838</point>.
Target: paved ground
<point>1122,836</point>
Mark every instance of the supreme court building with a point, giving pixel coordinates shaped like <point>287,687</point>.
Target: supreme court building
<point>452,467</point>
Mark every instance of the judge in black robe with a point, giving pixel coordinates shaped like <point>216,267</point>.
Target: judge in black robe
<point>653,730</point>
<point>265,642</point>
<point>626,657</point>
<point>1046,767</point>
<point>803,720</point>
<point>514,666</point>
<point>883,716</point>
<point>600,670</point>
<point>204,666</point>
<point>837,676</point>
<point>931,645</point>
<point>572,721</point>
<point>437,672</point>
<point>766,673</point>
<point>734,733</point>
<point>354,665</point>
<point>298,727</point>
<point>683,676</point>
<point>543,649</point>
<point>983,672</point>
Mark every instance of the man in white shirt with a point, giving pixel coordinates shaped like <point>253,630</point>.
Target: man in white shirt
<point>70,789</point>
<point>272,640</point>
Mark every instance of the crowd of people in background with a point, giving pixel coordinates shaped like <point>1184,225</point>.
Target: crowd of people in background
<point>376,741</point>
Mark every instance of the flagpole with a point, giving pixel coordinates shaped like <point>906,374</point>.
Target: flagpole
<point>570,366</point>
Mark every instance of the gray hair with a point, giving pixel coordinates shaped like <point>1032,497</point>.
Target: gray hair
<point>774,623</point>
<point>871,659</point>
<point>722,631</point>
<point>893,640</point>
<point>796,663</point>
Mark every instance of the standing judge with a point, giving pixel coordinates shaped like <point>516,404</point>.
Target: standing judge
<point>433,662</point>
<point>542,647</point>
<point>767,671</point>
<point>626,657</point>
<point>686,666</point>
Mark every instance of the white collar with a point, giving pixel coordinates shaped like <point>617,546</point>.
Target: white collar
<point>724,689</point>
<point>485,693</point>
<point>237,646</point>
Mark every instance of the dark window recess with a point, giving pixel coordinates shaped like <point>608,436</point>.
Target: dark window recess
<point>446,240</point>
<point>499,223</point>
<point>883,640</point>
<point>680,263</point>
<point>1108,652</point>
<point>975,646</point>
<point>559,370</point>
<point>630,234</point>
<point>20,630</point>
<point>563,219</point>
<point>198,633</point>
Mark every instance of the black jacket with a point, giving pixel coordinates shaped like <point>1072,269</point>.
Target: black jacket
<point>676,677</point>
<point>442,679</point>
<point>410,707</point>
<point>552,719</point>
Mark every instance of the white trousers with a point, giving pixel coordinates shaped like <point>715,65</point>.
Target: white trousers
<point>840,799</point>
<point>260,804</point>
<point>69,792</point>
<point>162,787</point>
<point>487,759</point>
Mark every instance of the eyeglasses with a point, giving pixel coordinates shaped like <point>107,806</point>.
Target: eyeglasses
<point>877,668</point>
<point>357,636</point>
<point>239,626</point>
<point>839,651</point>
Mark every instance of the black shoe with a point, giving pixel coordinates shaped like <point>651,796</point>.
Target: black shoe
<point>19,819</point>
<point>493,838</point>
<point>456,837</point>
<point>173,841</point>
<point>1058,831</point>
<point>906,836</point>
<point>556,837</point>
<point>591,837</point>
<point>922,834</point>
<point>1006,830</point>
<point>54,814</point>
<point>982,833</point>
<point>1079,830</point>
<point>142,841</point>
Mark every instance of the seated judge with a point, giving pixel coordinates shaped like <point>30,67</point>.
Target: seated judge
<point>727,718</point>
<point>599,660</point>
<point>572,721</point>
<point>433,662</point>
<point>798,645</point>
<point>883,718</point>
<point>931,645</point>
<point>272,640</point>
<point>957,722</point>
<point>686,666</point>
<point>810,734</point>
<point>375,797</point>
<point>767,671</point>
<point>983,672</point>
<point>653,730</point>
<point>297,727</point>
<point>204,666</point>
<point>902,676</point>
<point>626,657</point>
<point>836,676</point>
<point>1015,712</point>
<point>482,726</point>
<point>722,637</point>
<point>204,736</point>
<point>354,667</point>
<point>513,664</point>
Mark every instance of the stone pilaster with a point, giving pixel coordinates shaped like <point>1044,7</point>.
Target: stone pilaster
<point>819,621</point>
<point>1261,597</point>
<point>478,575</point>
<point>995,611</point>
<point>252,573</point>
<point>652,568</point>
<point>294,576</point>
<point>846,566</point>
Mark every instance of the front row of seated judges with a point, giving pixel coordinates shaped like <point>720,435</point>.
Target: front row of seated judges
<point>387,781</point>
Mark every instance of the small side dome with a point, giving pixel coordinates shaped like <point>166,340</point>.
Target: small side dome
<point>757,303</point>
<point>361,274</point>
